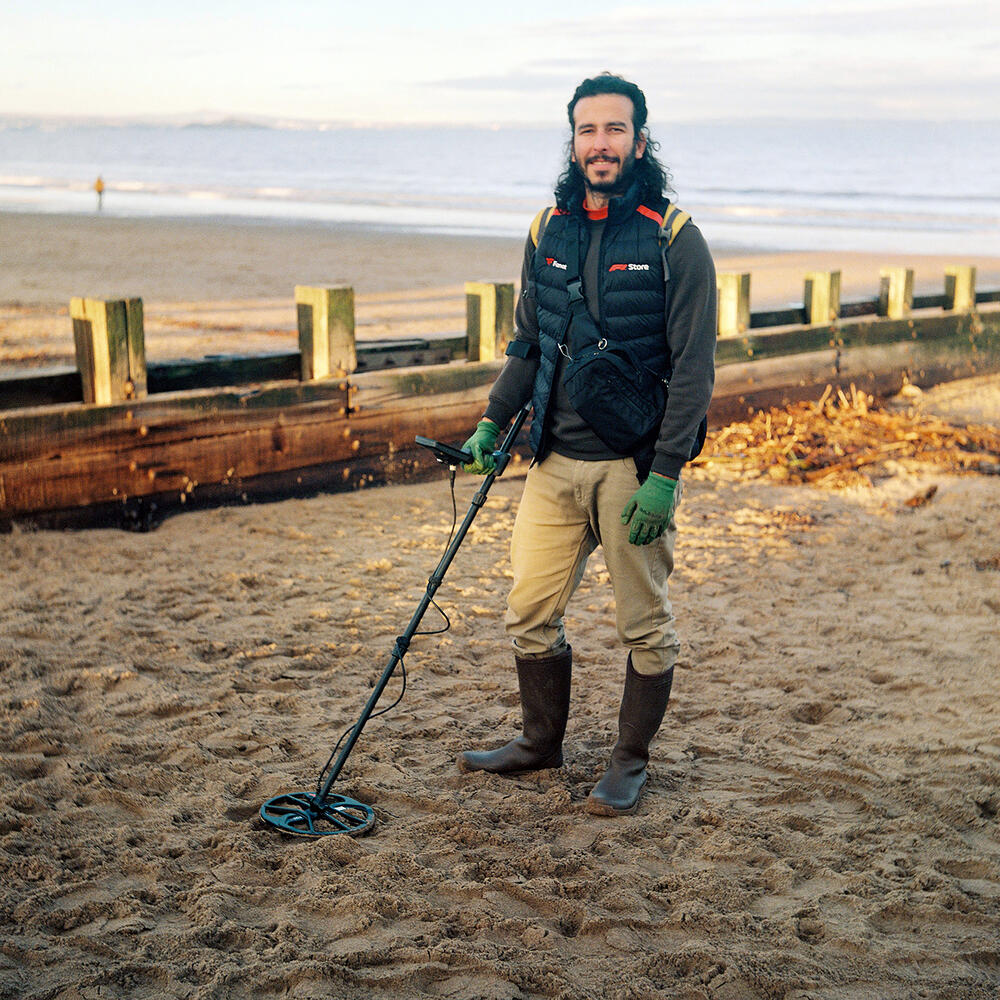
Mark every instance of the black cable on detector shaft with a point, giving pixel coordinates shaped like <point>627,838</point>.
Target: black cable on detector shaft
<point>437,631</point>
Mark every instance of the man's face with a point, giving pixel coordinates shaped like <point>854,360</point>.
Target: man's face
<point>605,146</point>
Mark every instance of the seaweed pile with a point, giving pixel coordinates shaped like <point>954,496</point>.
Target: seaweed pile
<point>849,439</point>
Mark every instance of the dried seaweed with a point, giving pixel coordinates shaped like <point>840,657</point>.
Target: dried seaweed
<point>847,439</point>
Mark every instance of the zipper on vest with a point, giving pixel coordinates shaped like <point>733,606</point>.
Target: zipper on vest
<point>601,271</point>
<point>583,239</point>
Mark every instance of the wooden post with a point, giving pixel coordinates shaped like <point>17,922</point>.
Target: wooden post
<point>326,331</point>
<point>822,297</point>
<point>734,303</point>
<point>960,288</point>
<point>110,349</point>
<point>895,297</point>
<point>489,318</point>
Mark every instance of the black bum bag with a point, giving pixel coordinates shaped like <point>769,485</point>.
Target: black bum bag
<point>622,399</point>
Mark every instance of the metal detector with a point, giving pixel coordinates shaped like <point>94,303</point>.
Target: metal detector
<point>324,813</point>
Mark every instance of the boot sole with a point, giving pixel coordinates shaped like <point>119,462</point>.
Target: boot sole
<point>597,808</point>
<point>469,769</point>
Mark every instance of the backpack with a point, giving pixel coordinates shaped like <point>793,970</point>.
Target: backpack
<point>673,222</point>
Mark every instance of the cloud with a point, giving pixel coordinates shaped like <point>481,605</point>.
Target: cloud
<point>788,59</point>
<point>711,59</point>
<point>522,83</point>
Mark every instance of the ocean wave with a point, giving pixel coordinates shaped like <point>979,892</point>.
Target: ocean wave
<point>481,213</point>
<point>723,193</point>
<point>9,180</point>
<point>760,185</point>
<point>845,218</point>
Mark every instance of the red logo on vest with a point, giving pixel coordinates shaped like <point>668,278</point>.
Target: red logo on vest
<point>629,267</point>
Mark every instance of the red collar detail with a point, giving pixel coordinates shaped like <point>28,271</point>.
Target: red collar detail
<point>650,214</point>
<point>597,214</point>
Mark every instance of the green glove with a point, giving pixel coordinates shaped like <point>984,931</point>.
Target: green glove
<point>482,445</point>
<point>649,509</point>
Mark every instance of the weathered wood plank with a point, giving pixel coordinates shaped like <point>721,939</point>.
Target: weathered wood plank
<point>218,371</point>
<point>46,431</point>
<point>135,349</point>
<point>413,385</point>
<point>110,348</point>
<point>407,464</point>
<point>63,385</point>
<point>734,303</point>
<point>220,453</point>
<point>895,292</point>
<point>850,333</point>
<point>50,429</point>
<point>822,297</point>
<point>489,314</point>
<point>40,388</point>
<point>403,353</point>
<point>793,316</point>
<point>960,288</point>
<point>168,447</point>
<point>326,330</point>
<point>879,367</point>
<point>226,450</point>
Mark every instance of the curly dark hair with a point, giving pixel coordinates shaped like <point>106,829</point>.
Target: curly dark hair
<point>651,176</point>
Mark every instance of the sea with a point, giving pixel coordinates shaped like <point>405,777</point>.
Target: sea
<point>885,186</point>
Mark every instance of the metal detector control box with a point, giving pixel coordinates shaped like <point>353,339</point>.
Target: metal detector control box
<point>445,453</point>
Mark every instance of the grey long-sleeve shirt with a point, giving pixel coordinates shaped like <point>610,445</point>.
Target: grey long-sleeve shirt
<point>690,321</point>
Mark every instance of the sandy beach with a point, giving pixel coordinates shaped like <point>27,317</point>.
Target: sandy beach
<point>821,821</point>
<point>228,287</point>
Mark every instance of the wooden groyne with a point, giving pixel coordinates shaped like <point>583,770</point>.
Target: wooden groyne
<point>123,439</point>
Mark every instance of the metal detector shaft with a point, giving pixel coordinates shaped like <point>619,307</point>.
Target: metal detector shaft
<point>502,457</point>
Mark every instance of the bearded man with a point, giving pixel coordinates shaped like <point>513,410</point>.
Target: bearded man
<point>615,262</point>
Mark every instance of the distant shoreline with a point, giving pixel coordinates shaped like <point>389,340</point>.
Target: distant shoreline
<point>227,286</point>
<point>49,258</point>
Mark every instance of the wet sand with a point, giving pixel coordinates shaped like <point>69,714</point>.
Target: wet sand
<point>227,287</point>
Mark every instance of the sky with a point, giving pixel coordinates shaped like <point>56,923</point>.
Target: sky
<point>515,62</point>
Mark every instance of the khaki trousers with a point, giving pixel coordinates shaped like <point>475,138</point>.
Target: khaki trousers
<point>568,508</point>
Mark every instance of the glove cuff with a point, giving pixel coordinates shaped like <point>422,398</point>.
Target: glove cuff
<point>488,427</point>
<point>661,487</point>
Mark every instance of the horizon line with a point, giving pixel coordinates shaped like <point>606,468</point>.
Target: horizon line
<point>212,119</point>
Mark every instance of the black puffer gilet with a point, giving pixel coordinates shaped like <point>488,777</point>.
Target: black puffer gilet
<point>631,293</point>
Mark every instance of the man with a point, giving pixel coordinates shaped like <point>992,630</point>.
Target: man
<point>580,492</point>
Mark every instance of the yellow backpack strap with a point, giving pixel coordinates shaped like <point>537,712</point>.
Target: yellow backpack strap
<point>539,223</point>
<point>673,222</point>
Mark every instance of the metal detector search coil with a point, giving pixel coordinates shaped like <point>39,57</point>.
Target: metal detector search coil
<point>324,813</point>
<point>304,815</point>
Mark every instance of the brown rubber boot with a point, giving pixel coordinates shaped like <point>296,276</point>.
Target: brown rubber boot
<point>643,705</point>
<point>544,683</point>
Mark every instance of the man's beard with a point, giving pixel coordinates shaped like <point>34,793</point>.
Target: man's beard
<point>616,187</point>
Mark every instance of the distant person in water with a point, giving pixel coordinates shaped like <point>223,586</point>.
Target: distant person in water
<point>99,188</point>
